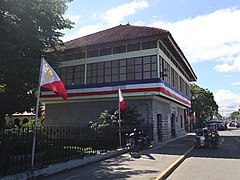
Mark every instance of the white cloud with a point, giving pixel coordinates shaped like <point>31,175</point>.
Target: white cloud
<point>111,18</point>
<point>84,31</point>
<point>229,67</point>
<point>210,37</point>
<point>227,101</point>
<point>227,75</point>
<point>72,18</point>
<point>115,15</point>
<point>213,36</point>
<point>236,84</point>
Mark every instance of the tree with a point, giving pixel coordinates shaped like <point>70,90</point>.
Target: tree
<point>235,115</point>
<point>203,104</point>
<point>108,126</point>
<point>29,29</point>
<point>129,117</point>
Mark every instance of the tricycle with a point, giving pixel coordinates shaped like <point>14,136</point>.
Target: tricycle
<point>202,138</point>
<point>206,137</point>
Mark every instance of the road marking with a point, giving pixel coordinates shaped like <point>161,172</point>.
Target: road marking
<point>166,172</point>
<point>71,177</point>
<point>221,141</point>
<point>237,140</point>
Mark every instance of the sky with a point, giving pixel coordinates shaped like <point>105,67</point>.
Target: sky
<point>207,31</point>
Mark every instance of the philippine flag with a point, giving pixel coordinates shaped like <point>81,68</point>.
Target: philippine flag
<point>193,116</point>
<point>121,100</point>
<point>50,80</point>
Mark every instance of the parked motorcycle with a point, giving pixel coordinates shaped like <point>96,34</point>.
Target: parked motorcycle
<point>131,145</point>
<point>137,140</point>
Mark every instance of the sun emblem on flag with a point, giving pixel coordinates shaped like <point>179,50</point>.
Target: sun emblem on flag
<point>48,73</point>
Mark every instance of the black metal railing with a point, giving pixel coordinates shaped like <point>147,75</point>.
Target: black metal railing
<point>55,144</point>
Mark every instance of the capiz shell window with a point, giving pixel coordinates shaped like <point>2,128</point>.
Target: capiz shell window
<point>138,68</point>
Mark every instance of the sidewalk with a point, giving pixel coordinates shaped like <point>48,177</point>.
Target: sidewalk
<point>160,161</point>
<point>154,163</point>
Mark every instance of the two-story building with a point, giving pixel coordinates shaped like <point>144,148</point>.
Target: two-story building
<point>144,62</point>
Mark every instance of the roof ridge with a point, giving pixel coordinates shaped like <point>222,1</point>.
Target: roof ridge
<point>114,34</point>
<point>94,33</point>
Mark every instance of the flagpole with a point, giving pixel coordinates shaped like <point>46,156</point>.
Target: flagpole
<point>36,117</point>
<point>119,120</point>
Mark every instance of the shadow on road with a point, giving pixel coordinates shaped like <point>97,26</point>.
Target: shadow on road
<point>125,166</point>
<point>121,169</point>
<point>228,148</point>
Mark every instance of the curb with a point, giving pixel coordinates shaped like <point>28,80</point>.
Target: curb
<point>160,144</point>
<point>59,167</point>
<point>166,172</point>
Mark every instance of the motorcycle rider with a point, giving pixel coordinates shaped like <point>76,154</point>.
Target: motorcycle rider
<point>206,133</point>
<point>214,137</point>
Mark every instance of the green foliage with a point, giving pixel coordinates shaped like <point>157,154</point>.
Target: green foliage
<point>30,124</point>
<point>29,29</point>
<point>108,128</point>
<point>235,115</point>
<point>129,117</point>
<point>203,104</point>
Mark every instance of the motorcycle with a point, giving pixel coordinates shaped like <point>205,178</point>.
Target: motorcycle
<point>206,137</point>
<point>213,139</point>
<point>130,144</point>
<point>137,140</point>
<point>202,138</point>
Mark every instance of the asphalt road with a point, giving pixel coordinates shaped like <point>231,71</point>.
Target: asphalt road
<point>222,163</point>
<point>142,166</point>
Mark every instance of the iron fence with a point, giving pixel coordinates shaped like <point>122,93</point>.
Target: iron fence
<point>56,144</point>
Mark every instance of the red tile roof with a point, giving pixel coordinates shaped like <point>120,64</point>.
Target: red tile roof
<point>118,33</point>
<point>129,32</point>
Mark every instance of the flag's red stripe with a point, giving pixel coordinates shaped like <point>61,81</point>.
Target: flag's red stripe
<point>122,105</point>
<point>57,86</point>
<point>192,117</point>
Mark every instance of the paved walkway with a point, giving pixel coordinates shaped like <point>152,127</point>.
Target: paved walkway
<point>154,163</point>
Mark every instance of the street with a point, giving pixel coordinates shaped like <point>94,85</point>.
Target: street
<point>142,166</point>
<point>221,163</point>
<point>204,163</point>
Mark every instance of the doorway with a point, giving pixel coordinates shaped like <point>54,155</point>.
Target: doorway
<point>159,127</point>
<point>173,130</point>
